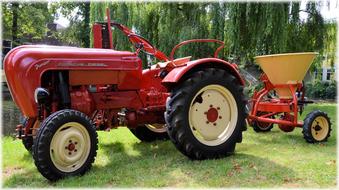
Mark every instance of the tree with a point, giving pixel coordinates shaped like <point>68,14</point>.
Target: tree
<point>78,14</point>
<point>247,28</point>
<point>330,41</point>
<point>25,21</point>
<point>15,7</point>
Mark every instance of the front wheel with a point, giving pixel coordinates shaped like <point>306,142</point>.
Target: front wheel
<point>206,114</point>
<point>66,145</point>
<point>317,127</point>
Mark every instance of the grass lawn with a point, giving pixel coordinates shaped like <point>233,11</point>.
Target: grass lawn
<point>272,159</point>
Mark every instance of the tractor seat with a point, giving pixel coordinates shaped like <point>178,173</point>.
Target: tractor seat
<point>176,62</point>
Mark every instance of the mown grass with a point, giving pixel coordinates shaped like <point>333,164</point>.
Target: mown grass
<point>262,160</point>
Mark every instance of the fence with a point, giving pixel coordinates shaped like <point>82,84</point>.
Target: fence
<point>10,117</point>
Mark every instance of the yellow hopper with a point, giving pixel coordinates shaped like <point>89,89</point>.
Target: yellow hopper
<point>289,68</point>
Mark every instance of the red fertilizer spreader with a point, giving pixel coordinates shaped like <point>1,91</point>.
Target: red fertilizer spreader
<point>282,97</point>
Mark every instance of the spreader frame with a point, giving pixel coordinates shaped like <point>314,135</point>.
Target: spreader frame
<point>276,106</point>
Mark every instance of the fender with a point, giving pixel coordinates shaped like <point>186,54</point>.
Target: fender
<point>177,73</point>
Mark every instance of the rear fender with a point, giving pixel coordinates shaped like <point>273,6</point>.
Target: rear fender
<point>180,73</point>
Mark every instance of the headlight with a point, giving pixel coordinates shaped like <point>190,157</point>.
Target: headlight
<point>41,95</point>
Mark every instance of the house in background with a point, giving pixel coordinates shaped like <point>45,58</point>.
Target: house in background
<point>48,39</point>
<point>328,70</point>
<point>326,73</point>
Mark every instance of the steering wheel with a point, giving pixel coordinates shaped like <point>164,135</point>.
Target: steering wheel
<point>142,44</point>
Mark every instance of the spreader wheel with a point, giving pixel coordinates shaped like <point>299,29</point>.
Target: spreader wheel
<point>287,128</point>
<point>206,114</point>
<point>66,145</point>
<point>150,132</point>
<point>317,127</point>
<point>262,127</point>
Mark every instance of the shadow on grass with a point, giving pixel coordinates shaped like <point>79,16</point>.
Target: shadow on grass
<point>295,137</point>
<point>159,164</point>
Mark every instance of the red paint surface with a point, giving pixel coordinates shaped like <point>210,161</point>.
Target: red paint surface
<point>71,147</point>
<point>275,106</point>
<point>25,65</point>
<point>176,73</point>
<point>117,77</point>
<point>212,115</point>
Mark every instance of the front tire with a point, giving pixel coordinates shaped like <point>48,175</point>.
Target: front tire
<point>206,114</point>
<point>66,145</point>
<point>317,127</point>
<point>150,132</point>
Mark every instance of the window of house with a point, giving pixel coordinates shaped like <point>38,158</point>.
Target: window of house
<point>329,74</point>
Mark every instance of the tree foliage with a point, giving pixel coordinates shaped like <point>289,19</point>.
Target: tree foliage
<point>22,21</point>
<point>248,29</point>
<point>78,13</point>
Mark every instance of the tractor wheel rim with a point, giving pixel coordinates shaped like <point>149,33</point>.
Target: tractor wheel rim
<point>213,115</point>
<point>320,127</point>
<point>70,147</point>
<point>157,127</point>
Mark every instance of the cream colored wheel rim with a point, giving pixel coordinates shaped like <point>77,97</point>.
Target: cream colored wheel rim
<point>213,115</point>
<point>157,127</point>
<point>70,147</point>
<point>320,127</point>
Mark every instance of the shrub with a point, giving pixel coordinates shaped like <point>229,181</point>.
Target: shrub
<point>318,89</point>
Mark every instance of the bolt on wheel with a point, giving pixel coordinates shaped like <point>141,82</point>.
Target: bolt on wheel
<point>205,114</point>
<point>150,132</point>
<point>70,147</point>
<point>317,127</point>
<point>320,128</point>
<point>262,126</point>
<point>213,115</point>
<point>66,145</point>
<point>157,127</point>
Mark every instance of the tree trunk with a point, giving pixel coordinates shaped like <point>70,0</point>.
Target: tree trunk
<point>86,24</point>
<point>15,8</point>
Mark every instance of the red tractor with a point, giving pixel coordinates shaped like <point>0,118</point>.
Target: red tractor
<point>66,94</point>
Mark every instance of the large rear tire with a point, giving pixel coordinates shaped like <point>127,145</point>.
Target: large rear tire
<point>205,114</point>
<point>66,145</point>
<point>150,132</point>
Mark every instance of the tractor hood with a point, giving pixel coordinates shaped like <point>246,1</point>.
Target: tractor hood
<point>25,65</point>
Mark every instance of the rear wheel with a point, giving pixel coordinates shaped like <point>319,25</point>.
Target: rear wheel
<point>206,114</point>
<point>66,145</point>
<point>286,128</point>
<point>317,127</point>
<point>150,132</point>
<point>262,126</point>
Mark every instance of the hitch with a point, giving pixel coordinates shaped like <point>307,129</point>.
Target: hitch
<point>20,132</point>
